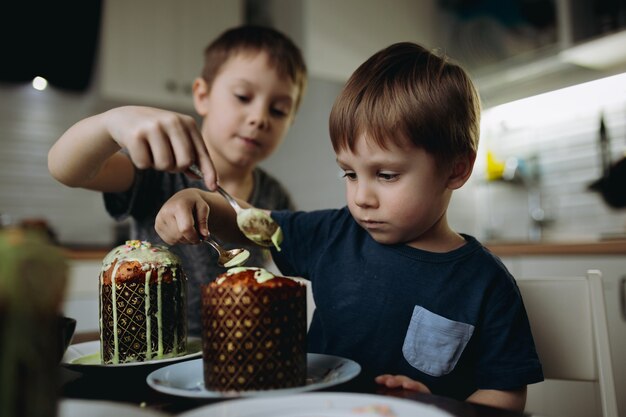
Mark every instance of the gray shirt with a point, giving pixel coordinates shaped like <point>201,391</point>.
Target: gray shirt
<point>152,189</point>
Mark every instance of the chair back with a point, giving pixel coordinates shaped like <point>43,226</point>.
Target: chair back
<point>568,321</point>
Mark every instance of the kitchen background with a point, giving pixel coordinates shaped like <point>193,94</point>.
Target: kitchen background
<point>513,52</point>
<point>548,72</point>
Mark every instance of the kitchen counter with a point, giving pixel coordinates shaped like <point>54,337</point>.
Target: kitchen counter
<point>599,247</point>
<point>75,253</point>
<point>500,248</point>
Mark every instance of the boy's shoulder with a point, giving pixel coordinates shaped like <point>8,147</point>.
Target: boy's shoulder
<point>482,251</point>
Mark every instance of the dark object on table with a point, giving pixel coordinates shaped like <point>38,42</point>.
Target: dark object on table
<point>66,327</point>
<point>612,184</point>
<point>33,277</point>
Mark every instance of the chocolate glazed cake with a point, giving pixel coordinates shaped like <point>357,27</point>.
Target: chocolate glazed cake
<point>142,304</point>
<point>254,335</point>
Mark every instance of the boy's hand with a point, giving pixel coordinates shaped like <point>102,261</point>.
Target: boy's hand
<point>160,139</point>
<point>401,381</point>
<point>183,217</point>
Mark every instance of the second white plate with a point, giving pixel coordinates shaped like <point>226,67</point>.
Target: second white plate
<point>186,379</point>
<point>317,404</point>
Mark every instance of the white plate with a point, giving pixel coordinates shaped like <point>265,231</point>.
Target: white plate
<point>87,355</point>
<point>97,408</point>
<point>319,404</point>
<point>186,379</point>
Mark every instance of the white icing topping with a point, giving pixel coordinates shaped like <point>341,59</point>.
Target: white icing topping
<point>261,275</point>
<point>143,252</point>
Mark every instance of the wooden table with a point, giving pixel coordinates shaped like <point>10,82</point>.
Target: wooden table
<point>128,385</point>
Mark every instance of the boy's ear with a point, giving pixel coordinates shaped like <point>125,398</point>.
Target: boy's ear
<point>200,91</point>
<point>461,171</point>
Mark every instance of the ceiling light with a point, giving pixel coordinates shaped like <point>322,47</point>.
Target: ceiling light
<point>40,83</point>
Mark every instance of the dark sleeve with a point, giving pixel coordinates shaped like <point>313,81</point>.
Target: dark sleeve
<point>149,191</point>
<point>508,358</point>
<point>306,238</point>
<point>121,205</point>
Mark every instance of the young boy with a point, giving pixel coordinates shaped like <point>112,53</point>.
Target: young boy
<point>396,289</point>
<point>251,86</point>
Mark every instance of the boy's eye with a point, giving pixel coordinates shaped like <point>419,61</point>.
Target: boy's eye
<point>278,112</point>
<point>387,176</point>
<point>243,98</point>
<point>349,175</point>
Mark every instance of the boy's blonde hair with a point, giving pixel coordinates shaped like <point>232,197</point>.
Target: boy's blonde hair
<point>283,54</point>
<point>405,94</point>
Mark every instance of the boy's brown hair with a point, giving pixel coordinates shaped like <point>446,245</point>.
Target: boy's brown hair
<point>408,95</point>
<point>283,54</point>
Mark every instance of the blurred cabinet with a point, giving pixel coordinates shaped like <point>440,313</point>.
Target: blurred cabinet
<point>338,36</point>
<point>152,50</point>
<point>531,47</point>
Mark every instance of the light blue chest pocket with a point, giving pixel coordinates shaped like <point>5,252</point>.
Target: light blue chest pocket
<point>433,344</point>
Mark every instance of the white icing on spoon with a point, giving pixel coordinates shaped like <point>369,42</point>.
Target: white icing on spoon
<point>254,223</point>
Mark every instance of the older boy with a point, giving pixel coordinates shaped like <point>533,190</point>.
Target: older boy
<point>396,289</point>
<point>250,89</point>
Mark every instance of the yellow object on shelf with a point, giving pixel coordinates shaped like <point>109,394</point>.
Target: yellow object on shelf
<point>495,168</point>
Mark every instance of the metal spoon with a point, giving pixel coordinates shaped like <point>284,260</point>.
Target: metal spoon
<point>254,223</point>
<point>228,258</point>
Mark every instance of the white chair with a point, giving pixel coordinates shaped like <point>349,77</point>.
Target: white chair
<point>569,326</point>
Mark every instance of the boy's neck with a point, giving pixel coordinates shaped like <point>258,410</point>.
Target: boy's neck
<point>441,245</point>
<point>439,239</point>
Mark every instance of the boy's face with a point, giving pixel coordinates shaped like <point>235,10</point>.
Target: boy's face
<point>398,195</point>
<point>247,111</point>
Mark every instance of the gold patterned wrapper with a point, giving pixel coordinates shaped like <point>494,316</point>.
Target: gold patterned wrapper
<point>254,336</point>
<point>142,304</point>
<point>144,331</point>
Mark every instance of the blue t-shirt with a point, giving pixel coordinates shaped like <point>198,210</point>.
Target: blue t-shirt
<point>454,321</point>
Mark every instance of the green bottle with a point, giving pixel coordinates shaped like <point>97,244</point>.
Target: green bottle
<point>33,278</point>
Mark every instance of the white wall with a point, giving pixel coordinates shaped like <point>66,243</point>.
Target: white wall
<point>30,122</point>
<point>305,162</point>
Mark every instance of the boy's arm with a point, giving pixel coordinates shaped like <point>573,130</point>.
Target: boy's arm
<point>87,156</point>
<point>192,212</point>
<point>510,400</point>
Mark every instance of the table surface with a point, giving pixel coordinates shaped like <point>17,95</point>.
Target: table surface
<point>128,385</point>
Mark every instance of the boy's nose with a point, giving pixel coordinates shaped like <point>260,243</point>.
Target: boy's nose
<point>365,196</point>
<point>258,117</point>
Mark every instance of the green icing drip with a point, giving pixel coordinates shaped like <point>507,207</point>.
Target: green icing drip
<point>277,238</point>
<point>116,345</point>
<point>160,313</point>
<point>146,302</point>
